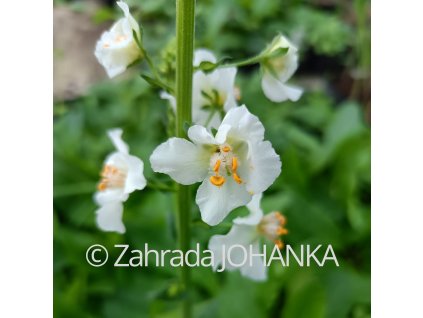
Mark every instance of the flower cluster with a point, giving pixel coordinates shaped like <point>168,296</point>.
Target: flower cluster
<point>225,151</point>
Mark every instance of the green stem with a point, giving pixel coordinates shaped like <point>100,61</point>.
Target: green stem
<point>185,10</point>
<point>252,60</point>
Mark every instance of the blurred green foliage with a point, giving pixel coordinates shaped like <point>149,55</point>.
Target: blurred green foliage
<point>324,188</point>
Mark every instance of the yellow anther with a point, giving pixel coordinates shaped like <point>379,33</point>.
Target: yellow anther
<point>106,45</point>
<point>216,166</point>
<point>281,218</point>
<point>234,164</point>
<point>281,231</point>
<point>120,38</point>
<point>236,178</point>
<point>279,244</point>
<point>218,181</point>
<point>226,149</point>
<point>102,185</point>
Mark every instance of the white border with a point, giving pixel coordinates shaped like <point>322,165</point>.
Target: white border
<point>26,159</point>
<point>397,159</point>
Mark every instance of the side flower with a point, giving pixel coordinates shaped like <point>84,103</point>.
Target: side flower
<point>213,94</point>
<point>278,70</point>
<point>117,48</point>
<point>232,165</point>
<point>246,232</point>
<point>122,174</point>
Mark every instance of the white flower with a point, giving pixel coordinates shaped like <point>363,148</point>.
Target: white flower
<point>232,166</point>
<point>247,232</point>
<point>170,98</point>
<point>121,175</point>
<point>117,48</point>
<point>278,70</point>
<point>213,94</point>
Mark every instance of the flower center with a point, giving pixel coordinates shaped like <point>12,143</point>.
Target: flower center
<point>224,161</point>
<point>272,227</point>
<point>120,38</point>
<point>112,178</point>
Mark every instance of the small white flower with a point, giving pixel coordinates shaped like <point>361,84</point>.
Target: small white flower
<point>232,166</point>
<point>213,94</point>
<point>278,70</point>
<point>247,232</point>
<point>117,48</point>
<point>122,174</point>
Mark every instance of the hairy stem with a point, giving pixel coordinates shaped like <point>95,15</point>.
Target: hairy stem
<point>184,68</point>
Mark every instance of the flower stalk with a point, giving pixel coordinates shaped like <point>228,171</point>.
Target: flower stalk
<point>185,10</point>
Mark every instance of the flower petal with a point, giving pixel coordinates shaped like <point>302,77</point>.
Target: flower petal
<point>110,195</point>
<point>170,98</point>
<point>199,135</point>
<point>238,235</point>
<point>264,166</point>
<point>183,161</point>
<point>244,125</point>
<point>109,217</point>
<point>215,203</point>
<point>256,213</point>
<point>258,269</point>
<point>135,179</point>
<point>202,55</point>
<point>115,136</point>
<point>133,24</point>
<point>277,91</point>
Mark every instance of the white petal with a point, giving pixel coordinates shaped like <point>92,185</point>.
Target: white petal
<point>215,203</point>
<point>256,213</point>
<point>238,235</point>
<point>264,166</point>
<point>135,179</point>
<point>222,133</point>
<point>134,25</point>
<point>226,79</point>
<point>277,91</point>
<point>170,98</point>
<point>117,48</point>
<point>202,55</point>
<point>185,162</point>
<point>109,217</point>
<point>115,136</point>
<point>258,269</point>
<point>199,135</point>
<point>244,124</point>
<point>110,195</point>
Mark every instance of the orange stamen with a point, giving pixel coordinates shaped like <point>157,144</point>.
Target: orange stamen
<point>281,218</point>
<point>234,164</point>
<point>236,178</point>
<point>218,181</point>
<point>216,166</point>
<point>226,149</point>
<point>279,244</point>
<point>102,186</point>
<point>282,231</point>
